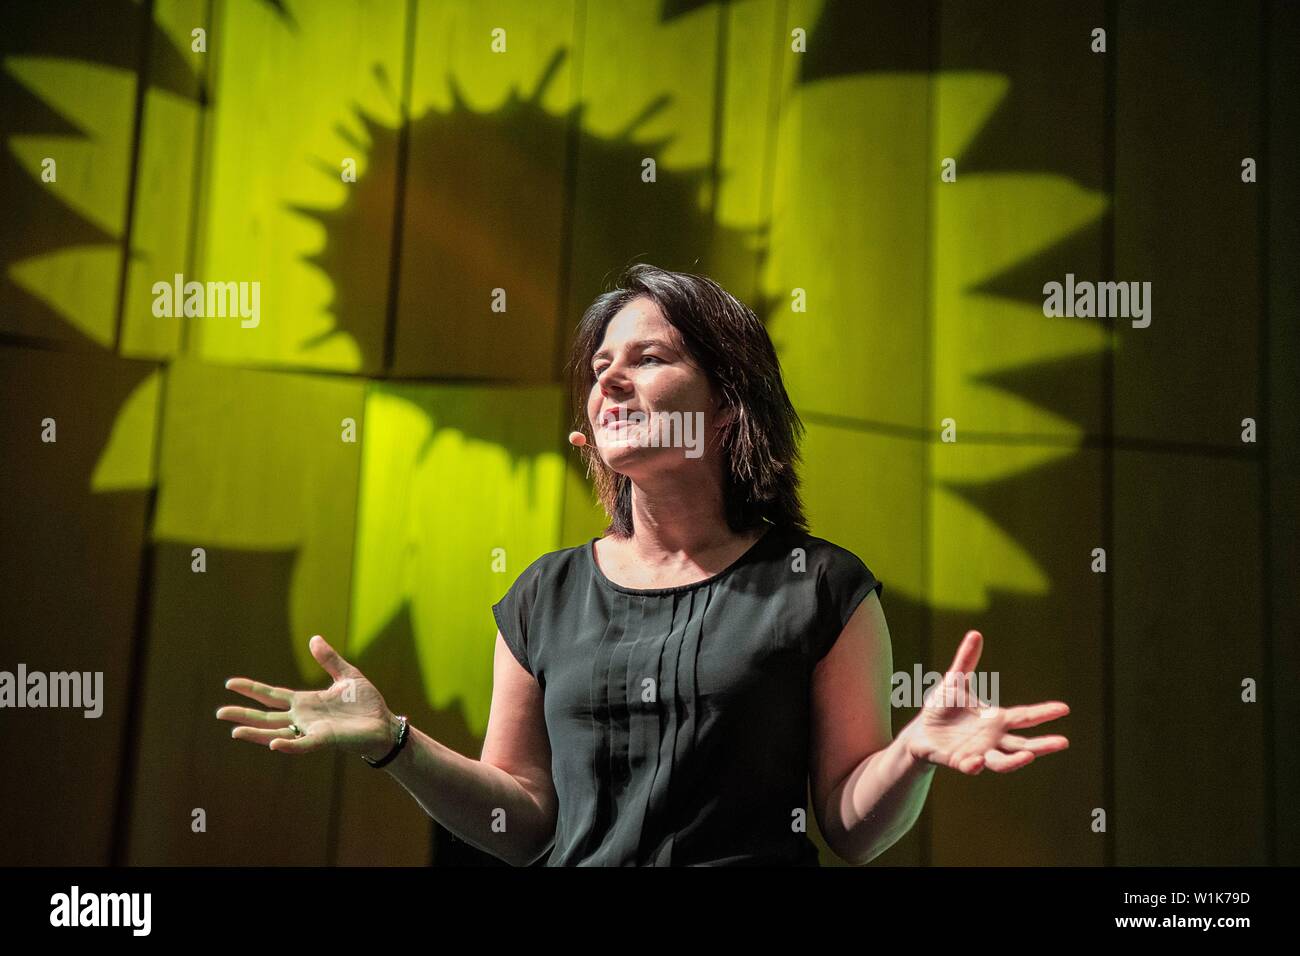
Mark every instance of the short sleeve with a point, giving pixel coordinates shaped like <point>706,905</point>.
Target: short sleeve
<point>513,613</point>
<point>843,584</point>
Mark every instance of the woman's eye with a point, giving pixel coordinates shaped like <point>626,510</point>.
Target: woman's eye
<point>597,369</point>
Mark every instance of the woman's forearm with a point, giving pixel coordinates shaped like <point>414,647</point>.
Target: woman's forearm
<point>478,802</point>
<point>877,802</point>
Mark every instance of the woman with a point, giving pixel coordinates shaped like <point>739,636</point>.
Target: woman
<point>666,694</point>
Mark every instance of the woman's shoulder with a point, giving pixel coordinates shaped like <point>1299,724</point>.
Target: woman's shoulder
<point>815,552</point>
<point>822,583</point>
<point>830,568</point>
<point>552,567</point>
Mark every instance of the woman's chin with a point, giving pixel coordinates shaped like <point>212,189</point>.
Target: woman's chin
<point>620,457</point>
<point>623,456</point>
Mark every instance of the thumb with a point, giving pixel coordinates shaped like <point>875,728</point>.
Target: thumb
<point>329,658</point>
<point>968,653</point>
<point>955,689</point>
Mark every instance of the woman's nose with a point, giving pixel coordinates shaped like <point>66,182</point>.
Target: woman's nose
<point>611,382</point>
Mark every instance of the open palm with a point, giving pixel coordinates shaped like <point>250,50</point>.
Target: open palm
<point>956,729</point>
<point>350,714</point>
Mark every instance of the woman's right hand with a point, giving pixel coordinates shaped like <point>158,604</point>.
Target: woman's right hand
<point>350,714</point>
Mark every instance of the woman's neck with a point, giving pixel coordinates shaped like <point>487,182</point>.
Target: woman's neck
<point>679,527</point>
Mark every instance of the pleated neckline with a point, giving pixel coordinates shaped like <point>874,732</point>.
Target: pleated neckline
<point>680,588</point>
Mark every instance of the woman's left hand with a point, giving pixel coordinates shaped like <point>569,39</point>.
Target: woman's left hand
<point>956,729</point>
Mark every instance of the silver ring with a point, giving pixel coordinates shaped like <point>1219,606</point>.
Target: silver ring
<point>297,731</point>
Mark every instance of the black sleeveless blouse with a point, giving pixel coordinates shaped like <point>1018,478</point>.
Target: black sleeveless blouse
<point>679,717</point>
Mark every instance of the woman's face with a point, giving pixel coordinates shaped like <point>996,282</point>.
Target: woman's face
<point>642,366</point>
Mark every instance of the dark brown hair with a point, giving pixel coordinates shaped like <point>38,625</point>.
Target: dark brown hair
<point>760,444</point>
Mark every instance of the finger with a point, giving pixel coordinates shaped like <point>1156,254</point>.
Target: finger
<point>262,693</point>
<point>297,745</point>
<point>330,659</point>
<point>255,735</point>
<point>968,652</point>
<point>1031,715</point>
<point>971,765</point>
<point>1035,745</point>
<point>255,718</point>
<point>999,762</point>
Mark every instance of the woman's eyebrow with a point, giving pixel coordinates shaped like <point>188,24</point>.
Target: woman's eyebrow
<point>640,344</point>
